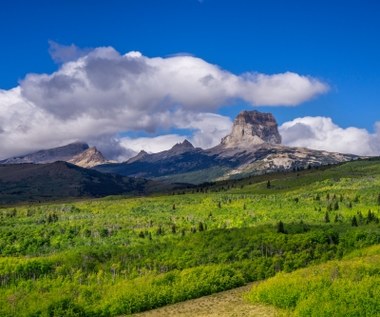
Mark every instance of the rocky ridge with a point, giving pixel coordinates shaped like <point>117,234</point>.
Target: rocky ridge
<point>62,153</point>
<point>77,153</point>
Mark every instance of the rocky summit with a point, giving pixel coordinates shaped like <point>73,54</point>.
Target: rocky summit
<point>252,128</point>
<point>88,158</point>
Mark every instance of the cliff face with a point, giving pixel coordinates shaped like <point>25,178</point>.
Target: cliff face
<point>252,128</point>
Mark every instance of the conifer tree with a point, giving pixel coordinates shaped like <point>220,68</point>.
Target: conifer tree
<point>327,217</point>
<point>281,227</point>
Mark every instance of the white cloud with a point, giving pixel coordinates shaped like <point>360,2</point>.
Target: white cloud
<point>288,89</point>
<point>98,94</point>
<point>65,53</point>
<point>104,82</point>
<point>322,133</point>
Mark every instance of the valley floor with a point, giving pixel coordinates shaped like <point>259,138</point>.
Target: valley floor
<point>224,304</point>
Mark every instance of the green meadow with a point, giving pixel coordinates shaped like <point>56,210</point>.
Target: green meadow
<point>305,234</point>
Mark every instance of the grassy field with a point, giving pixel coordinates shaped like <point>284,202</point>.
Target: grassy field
<point>113,256</point>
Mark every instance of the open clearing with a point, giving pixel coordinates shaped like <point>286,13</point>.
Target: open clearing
<point>224,304</point>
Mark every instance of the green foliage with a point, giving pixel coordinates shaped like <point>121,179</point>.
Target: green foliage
<point>65,308</point>
<point>350,287</point>
<point>118,255</point>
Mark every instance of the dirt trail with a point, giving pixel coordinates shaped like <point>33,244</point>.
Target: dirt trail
<point>225,304</point>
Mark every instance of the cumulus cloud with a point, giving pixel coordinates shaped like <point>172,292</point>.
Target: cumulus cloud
<point>65,53</point>
<point>286,89</point>
<point>322,133</point>
<point>97,94</point>
<point>104,82</point>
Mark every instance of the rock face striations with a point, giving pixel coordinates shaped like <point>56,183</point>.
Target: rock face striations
<point>252,128</point>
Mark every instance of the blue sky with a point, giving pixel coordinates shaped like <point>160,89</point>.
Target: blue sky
<point>336,42</point>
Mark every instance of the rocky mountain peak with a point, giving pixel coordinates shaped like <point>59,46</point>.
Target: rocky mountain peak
<point>184,145</point>
<point>140,156</point>
<point>252,128</point>
<point>88,158</point>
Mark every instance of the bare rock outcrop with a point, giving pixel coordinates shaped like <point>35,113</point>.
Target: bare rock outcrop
<point>252,128</point>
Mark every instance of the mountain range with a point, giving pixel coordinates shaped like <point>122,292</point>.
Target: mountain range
<point>253,147</point>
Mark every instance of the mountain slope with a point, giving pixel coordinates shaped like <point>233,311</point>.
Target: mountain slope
<point>39,182</point>
<point>62,153</point>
